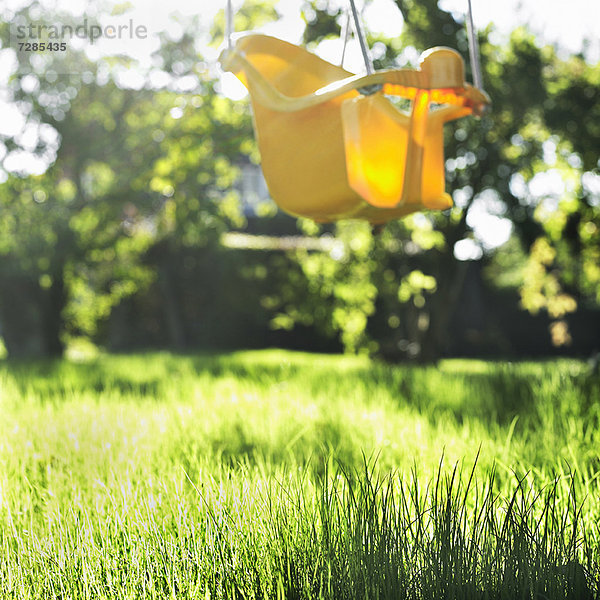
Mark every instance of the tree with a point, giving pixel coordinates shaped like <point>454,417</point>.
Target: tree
<point>136,171</point>
<point>74,233</point>
<point>563,264</point>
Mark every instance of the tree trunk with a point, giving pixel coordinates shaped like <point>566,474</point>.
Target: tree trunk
<point>450,280</point>
<point>55,300</point>
<point>20,317</point>
<point>171,308</point>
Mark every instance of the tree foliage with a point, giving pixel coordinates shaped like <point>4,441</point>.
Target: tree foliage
<point>137,168</point>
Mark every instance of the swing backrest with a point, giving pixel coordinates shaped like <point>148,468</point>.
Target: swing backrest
<point>302,152</point>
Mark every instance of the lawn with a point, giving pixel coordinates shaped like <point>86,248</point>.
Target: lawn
<point>272,474</point>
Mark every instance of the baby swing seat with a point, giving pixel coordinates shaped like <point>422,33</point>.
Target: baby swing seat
<point>333,146</point>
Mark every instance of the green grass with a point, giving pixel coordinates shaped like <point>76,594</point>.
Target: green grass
<point>285,475</point>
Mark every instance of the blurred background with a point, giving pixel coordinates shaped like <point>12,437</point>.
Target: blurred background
<point>134,215</point>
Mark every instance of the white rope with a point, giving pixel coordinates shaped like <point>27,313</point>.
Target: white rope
<point>345,34</point>
<point>229,24</point>
<point>361,38</point>
<point>473,49</point>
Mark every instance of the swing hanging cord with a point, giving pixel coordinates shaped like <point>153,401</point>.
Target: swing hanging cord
<point>345,34</point>
<point>360,34</point>
<point>229,25</point>
<point>473,49</point>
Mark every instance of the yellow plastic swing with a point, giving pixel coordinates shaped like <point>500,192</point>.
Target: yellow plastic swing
<point>333,146</point>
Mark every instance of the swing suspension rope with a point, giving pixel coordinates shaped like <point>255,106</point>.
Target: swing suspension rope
<point>360,34</point>
<point>229,25</point>
<point>473,49</point>
<point>345,34</point>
